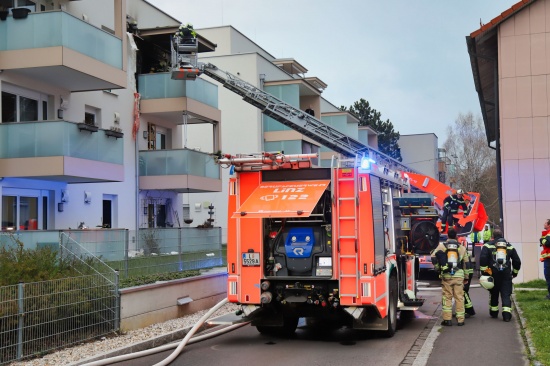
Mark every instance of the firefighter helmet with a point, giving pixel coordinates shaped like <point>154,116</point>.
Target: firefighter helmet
<point>459,191</point>
<point>487,282</point>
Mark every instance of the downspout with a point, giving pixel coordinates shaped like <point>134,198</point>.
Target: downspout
<point>497,132</point>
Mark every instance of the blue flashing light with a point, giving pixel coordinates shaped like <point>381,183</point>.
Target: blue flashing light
<point>366,162</point>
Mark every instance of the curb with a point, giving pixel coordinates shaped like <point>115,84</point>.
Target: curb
<point>161,340</point>
<point>521,320</point>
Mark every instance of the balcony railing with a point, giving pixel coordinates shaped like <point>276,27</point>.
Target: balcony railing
<point>57,28</point>
<point>160,85</point>
<point>57,138</point>
<point>177,162</point>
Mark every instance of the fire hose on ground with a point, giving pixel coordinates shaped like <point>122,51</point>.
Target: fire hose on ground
<point>179,346</point>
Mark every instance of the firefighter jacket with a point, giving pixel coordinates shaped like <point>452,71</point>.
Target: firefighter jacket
<point>452,203</point>
<point>545,244</point>
<point>488,263</point>
<point>487,235</point>
<point>480,236</point>
<point>441,264</point>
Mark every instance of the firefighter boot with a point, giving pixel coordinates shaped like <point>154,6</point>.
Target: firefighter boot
<point>446,323</point>
<point>493,313</point>
<point>506,316</point>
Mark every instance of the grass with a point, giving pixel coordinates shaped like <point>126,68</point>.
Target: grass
<point>532,284</point>
<point>536,308</point>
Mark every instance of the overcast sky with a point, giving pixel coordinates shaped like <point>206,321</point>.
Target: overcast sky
<point>408,58</point>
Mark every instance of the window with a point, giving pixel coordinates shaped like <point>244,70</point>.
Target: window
<point>92,115</point>
<point>161,141</point>
<point>23,105</point>
<point>19,213</point>
<point>89,118</point>
<point>309,148</point>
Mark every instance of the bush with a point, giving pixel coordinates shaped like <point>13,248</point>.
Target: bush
<point>18,264</point>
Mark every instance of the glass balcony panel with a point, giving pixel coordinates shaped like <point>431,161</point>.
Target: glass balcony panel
<point>57,28</point>
<point>160,85</point>
<point>177,162</point>
<point>57,138</point>
<point>289,94</point>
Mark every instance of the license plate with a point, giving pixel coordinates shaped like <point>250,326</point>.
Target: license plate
<point>251,259</point>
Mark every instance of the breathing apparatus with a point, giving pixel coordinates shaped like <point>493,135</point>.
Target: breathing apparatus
<point>500,255</point>
<point>452,256</point>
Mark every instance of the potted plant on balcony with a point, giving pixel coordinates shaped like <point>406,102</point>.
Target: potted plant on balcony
<point>20,13</point>
<point>115,132</point>
<point>87,127</point>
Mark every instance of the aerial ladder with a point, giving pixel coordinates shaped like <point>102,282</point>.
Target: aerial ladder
<point>185,65</point>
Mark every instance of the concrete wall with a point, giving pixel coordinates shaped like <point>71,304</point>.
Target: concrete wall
<point>156,303</point>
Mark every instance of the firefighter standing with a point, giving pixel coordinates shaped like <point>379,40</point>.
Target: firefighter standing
<point>500,260</point>
<point>545,254</point>
<point>451,205</point>
<point>451,259</point>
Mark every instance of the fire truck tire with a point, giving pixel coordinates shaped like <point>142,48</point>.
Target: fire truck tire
<point>286,330</point>
<point>391,318</point>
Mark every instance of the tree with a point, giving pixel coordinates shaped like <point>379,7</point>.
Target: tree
<point>387,137</point>
<point>473,163</point>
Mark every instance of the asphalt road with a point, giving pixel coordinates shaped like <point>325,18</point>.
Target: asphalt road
<point>312,344</point>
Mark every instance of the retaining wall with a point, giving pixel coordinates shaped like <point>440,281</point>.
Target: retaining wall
<point>142,306</point>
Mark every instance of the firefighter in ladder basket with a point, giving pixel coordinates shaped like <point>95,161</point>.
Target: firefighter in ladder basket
<point>451,205</point>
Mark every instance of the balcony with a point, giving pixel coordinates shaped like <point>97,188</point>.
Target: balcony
<point>59,151</point>
<point>180,170</point>
<point>61,50</point>
<point>166,99</point>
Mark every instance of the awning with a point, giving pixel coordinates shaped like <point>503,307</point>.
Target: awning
<point>283,199</point>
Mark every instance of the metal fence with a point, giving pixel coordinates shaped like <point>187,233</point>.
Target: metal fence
<point>41,316</point>
<point>153,251</point>
<point>147,251</point>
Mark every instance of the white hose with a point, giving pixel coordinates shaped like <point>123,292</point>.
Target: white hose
<point>130,356</point>
<point>184,341</point>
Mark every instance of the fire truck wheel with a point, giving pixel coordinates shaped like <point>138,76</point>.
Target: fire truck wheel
<point>391,318</point>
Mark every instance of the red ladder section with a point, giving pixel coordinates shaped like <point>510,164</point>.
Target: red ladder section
<point>346,214</point>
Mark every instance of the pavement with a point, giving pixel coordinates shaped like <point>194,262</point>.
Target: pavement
<point>482,340</point>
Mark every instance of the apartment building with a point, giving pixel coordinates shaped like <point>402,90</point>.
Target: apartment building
<point>93,129</point>
<point>511,70</point>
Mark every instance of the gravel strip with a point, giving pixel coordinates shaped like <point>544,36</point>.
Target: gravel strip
<point>88,350</point>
